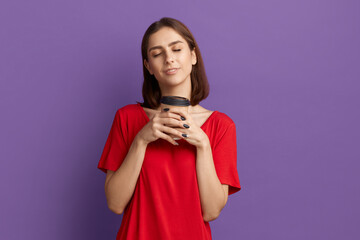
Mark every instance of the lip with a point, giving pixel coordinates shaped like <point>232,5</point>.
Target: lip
<point>171,73</point>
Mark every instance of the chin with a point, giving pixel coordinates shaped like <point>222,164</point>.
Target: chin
<point>171,81</point>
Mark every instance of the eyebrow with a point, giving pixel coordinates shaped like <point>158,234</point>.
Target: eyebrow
<point>170,44</point>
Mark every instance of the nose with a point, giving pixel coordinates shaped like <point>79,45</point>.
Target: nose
<point>169,57</point>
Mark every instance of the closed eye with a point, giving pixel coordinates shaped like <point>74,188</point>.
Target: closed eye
<point>175,50</point>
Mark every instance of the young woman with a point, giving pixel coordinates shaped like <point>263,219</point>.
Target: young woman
<point>169,189</point>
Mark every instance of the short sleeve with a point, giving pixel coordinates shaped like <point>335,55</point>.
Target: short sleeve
<point>225,159</point>
<point>115,149</point>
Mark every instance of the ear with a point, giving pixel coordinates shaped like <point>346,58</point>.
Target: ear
<point>193,57</point>
<point>147,66</point>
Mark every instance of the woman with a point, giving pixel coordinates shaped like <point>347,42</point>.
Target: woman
<point>169,189</point>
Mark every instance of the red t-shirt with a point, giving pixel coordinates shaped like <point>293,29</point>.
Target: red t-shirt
<point>166,200</point>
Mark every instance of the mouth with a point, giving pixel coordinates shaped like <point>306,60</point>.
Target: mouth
<point>171,71</point>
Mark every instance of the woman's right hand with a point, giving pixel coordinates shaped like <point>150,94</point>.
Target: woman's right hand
<point>161,126</point>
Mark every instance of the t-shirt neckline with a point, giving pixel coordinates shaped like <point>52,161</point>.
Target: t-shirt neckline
<point>147,118</point>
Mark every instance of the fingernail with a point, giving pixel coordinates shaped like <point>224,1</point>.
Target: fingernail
<point>166,109</point>
<point>184,135</point>
<point>176,144</point>
<point>185,125</point>
<point>182,118</point>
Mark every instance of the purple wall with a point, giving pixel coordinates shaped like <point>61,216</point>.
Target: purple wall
<point>287,72</point>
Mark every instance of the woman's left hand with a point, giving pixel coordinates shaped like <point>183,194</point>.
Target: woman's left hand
<point>193,133</point>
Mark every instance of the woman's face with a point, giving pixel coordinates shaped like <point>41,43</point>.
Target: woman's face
<point>169,57</point>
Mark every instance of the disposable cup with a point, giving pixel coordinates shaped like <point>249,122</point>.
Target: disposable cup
<point>172,103</point>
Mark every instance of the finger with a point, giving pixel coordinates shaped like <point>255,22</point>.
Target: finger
<point>168,138</point>
<point>175,123</point>
<point>184,133</point>
<point>169,115</point>
<point>181,112</point>
<point>170,130</point>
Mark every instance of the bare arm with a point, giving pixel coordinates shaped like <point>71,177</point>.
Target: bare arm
<point>120,185</point>
<point>213,194</point>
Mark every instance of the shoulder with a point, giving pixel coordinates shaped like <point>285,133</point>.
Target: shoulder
<point>128,110</point>
<point>223,117</point>
<point>127,113</point>
<point>223,120</point>
<point>220,125</point>
<point>218,117</point>
<point>221,128</point>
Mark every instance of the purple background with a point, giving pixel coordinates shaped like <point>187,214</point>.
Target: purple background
<point>287,72</point>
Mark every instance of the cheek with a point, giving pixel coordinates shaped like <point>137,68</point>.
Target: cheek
<point>154,64</point>
<point>186,61</point>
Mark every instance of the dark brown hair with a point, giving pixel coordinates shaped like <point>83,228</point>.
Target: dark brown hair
<point>199,84</point>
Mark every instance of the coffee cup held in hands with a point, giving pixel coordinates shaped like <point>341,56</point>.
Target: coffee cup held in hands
<point>172,102</point>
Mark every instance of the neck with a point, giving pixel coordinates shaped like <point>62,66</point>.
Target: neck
<point>181,90</point>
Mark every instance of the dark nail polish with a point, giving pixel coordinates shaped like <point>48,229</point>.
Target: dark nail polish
<point>184,135</point>
<point>185,125</point>
<point>182,118</point>
<point>166,109</point>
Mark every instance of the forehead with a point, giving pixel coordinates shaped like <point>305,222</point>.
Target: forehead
<point>163,37</point>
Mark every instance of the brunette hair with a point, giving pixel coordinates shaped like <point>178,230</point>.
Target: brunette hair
<point>199,84</point>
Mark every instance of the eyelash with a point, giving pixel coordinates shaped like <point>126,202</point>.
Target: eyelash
<point>176,50</point>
